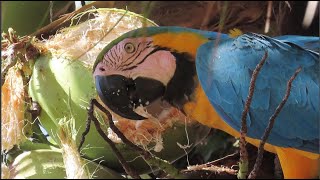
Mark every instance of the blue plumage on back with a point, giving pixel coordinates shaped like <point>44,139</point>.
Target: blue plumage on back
<point>308,42</point>
<point>225,71</point>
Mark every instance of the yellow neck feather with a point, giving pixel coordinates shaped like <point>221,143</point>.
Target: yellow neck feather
<point>181,42</point>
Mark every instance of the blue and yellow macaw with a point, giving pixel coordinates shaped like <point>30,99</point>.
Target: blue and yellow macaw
<point>207,75</point>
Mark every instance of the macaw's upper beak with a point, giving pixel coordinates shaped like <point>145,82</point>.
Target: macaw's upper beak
<point>122,94</point>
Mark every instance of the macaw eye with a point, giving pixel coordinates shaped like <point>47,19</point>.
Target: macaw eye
<point>129,48</point>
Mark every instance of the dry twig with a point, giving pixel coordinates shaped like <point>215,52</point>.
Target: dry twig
<point>121,159</point>
<point>243,164</point>
<point>152,160</point>
<point>278,174</point>
<point>272,119</point>
<point>206,165</point>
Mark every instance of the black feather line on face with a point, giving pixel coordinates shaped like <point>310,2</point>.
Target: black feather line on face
<point>134,54</point>
<point>153,51</point>
<point>129,68</point>
<point>128,64</point>
<point>114,53</point>
<point>156,48</point>
<point>110,61</point>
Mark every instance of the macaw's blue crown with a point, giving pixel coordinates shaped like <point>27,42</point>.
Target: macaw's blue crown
<point>151,31</point>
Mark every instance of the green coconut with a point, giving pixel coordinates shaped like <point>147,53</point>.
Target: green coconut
<point>49,164</point>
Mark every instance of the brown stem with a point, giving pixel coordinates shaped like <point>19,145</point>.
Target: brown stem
<point>148,157</point>
<point>272,119</point>
<point>243,131</point>
<point>86,131</point>
<point>114,128</point>
<point>278,174</point>
<point>121,159</point>
<point>212,163</point>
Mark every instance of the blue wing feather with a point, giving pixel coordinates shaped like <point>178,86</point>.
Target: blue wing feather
<point>225,77</point>
<point>308,42</point>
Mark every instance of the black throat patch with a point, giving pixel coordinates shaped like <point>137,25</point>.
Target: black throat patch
<point>183,82</point>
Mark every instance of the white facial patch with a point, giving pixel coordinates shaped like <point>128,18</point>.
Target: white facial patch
<point>160,65</point>
<point>138,57</point>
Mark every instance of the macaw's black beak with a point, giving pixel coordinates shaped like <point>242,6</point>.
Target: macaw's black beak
<point>122,94</point>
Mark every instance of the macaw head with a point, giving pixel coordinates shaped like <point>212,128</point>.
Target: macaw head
<point>146,65</point>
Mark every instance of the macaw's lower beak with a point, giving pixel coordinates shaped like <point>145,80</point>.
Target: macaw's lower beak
<point>122,94</point>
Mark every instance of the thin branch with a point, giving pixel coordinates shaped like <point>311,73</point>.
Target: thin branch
<point>152,160</point>
<point>202,166</point>
<point>114,128</point>
<point>86,131</point>
<point>272,119</point>
<point>148,157</point>
<point>243,164</point>
<point>278,174</point>
<point>121,159</point>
